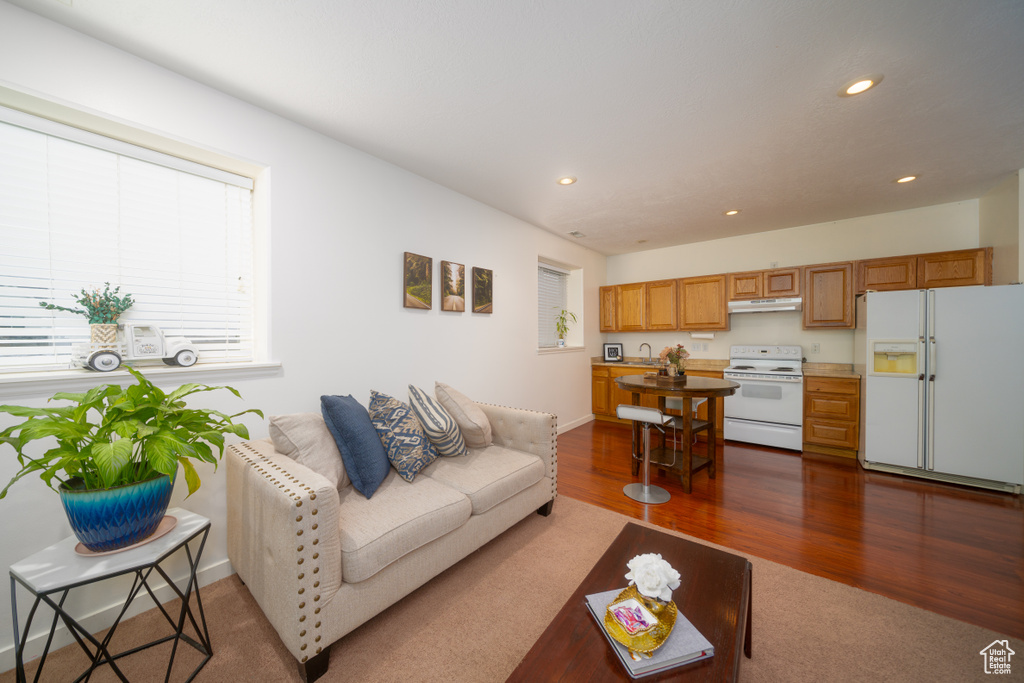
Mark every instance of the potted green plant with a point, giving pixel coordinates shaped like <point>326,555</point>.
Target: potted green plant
<point>102,310</point>
<point>117,454</point>
<point>562,325</point>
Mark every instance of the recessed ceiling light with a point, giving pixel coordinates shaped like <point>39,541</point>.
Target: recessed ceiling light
<point>732,212</point>
<point>567,180</point>
<point>859,85</point>
<point>906,179</point>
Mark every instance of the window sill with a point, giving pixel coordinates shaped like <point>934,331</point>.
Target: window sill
<point>48,383</point>
<point>560,349</point>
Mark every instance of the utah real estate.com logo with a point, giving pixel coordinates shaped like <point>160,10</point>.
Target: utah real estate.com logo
<point>997,657</point>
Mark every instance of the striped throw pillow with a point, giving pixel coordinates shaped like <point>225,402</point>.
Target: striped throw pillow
<point>437,424</point>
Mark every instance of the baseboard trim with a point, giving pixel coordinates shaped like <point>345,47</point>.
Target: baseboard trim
<point>99,619</point>
<point>575,423</point>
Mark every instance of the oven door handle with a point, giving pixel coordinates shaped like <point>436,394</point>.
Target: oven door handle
<point>775,380</point>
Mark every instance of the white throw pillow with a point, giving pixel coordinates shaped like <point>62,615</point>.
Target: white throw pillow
<point>473,423</point>
<point>304,438</point>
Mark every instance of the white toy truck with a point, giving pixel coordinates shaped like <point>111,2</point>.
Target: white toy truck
<point>135,341</point>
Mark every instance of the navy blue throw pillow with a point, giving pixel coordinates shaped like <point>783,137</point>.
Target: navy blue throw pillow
<point>366,461</point>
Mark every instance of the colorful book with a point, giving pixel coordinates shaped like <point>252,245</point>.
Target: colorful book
<point>684,645</point>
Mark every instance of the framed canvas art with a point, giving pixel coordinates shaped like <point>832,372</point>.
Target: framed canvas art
<point>483,293</point>
<point>417,281</point>
<point>453,286</point>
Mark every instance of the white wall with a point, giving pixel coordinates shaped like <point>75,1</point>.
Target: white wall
<point>339,223</point>
<point>1002,228</point>
<point>934,228</point>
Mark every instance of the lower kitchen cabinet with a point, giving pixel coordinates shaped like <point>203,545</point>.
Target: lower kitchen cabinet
<point>832,415</point>
<point>606,395</point>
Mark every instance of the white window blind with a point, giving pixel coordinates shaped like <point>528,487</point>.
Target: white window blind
<point>74,215</point>
<point>552,288</point>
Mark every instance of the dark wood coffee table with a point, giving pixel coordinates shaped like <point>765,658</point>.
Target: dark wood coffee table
<point>714,595</point>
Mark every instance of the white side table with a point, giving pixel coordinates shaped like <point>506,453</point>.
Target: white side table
<point>51,574</point>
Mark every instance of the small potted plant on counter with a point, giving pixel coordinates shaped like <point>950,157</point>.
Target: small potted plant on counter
<point>117,454</point>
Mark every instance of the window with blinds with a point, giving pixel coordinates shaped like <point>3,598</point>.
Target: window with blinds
<point>78,210</point>
<point>552,297</point>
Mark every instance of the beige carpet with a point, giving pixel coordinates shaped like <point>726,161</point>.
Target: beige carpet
<point>477,621</point>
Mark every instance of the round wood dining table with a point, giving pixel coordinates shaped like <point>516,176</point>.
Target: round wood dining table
<point>686,388</point>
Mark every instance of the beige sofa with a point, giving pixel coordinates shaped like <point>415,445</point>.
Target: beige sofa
<point>320,560</point>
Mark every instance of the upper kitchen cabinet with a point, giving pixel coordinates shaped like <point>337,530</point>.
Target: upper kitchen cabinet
<point>607,297</point>
<point>662,309</point>
<point>955,268</point>
<point>631,307</point>
<point>886,274</point>
<point>764,284</point>
<point>748,285</point>
<point>828,295</point>
<point>781,282</point>
<point>703,303</point>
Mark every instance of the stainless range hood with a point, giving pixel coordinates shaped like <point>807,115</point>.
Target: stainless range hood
<point>766,305</point>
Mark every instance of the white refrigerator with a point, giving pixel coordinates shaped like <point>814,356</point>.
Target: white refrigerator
<point>942,384</point>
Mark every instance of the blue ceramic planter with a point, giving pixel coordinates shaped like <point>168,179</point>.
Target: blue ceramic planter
<point>109,519</point>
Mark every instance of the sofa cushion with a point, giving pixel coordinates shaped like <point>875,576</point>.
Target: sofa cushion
<point>487,476</point>
<point>439,426</point>
<point>473,424</point>
<point>366,462</point>
<point>304,438</point>
<point>408,448</point>
<point>400,518</point>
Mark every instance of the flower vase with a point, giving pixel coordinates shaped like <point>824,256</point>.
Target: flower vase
<point>103,335</point>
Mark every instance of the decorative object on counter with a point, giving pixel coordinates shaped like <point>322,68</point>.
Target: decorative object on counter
<point>483,290</point>
<point>453,287</point>
<point>613,352</point>
<point>674,356</point>
<point>562,324</point>
<point>417,281</point>
<point>118,443</point>
<point>102,309</point>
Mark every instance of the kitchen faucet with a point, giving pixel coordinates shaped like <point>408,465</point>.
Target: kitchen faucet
<point>648,351</point>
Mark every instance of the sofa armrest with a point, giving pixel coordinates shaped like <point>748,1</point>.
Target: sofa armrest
<point>283,540</point>
<point>529,431</point>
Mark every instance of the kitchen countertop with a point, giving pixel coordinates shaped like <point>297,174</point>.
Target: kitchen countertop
<point>841,370</point>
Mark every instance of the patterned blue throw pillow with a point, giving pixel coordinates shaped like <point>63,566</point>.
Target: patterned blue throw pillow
<point>408,448</point>
<point>439,426</point>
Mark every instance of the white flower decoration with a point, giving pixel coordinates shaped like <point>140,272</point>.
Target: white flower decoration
<point>653,576</point>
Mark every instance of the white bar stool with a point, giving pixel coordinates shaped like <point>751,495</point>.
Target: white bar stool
<point>645,493</point>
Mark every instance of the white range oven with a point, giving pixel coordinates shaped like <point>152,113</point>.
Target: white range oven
<point>768,408</point>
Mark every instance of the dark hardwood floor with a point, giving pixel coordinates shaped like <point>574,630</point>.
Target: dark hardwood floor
<point>954,550</point>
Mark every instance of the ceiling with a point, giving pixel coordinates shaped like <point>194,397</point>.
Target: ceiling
<point>669,112</point>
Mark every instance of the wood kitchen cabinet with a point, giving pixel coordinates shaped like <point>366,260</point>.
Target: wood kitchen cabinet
<point>605,394</point>
<point>764,284</point>
<point>781,282</point>
<point>832,415</point>
<point>887,274</point>
<point>955,268</point>
<point>925,271</point>
<point>631,307</point>
<point>703,303</point>
<point>828,295</point>
<point>607,303</point>
<point>662,309</point>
